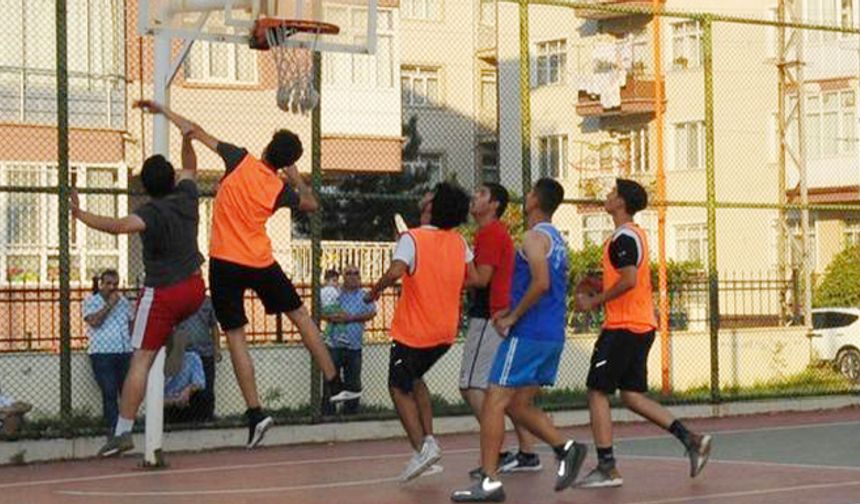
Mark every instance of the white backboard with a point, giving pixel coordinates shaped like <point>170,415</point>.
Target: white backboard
<point>232,20</point>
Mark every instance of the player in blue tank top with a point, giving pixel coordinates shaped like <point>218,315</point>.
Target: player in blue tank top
<point>528,358</point>
<point>545,320</point>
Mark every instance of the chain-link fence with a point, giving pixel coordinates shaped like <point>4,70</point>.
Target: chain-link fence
<point>742,123</point>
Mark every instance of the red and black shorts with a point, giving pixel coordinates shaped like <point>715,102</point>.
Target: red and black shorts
<point>160,309</point>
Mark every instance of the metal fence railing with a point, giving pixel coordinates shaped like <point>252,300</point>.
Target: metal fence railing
<point>742,125</point>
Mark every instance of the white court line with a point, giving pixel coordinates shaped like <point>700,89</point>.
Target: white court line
<point>231,491</point>
<point>342,484</point>
<point>791,465</point>
<point>141,474</point>
<point>202,470</point>
<point>750,493</point>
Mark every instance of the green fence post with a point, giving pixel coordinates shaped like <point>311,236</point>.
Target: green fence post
<point>63,208</point>
<point>316,230</point>
<point>525,104</point>
<point>713,277</point>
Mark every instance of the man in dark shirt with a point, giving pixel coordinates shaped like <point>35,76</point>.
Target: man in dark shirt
<point>173,286</point>
<point>241,257</point>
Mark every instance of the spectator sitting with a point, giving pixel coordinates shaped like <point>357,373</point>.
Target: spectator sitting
<point>200,333</point>
<point>12,414</point>
<point>345,338</point>
<point>108,316</point>
<point>181,388</point>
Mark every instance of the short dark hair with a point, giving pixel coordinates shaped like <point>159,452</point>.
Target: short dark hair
<point>98,279</point>
<point>634,195</point>
<point>332,273</point>
<point>550,194</point>
<point>499,194</point>
<point>158,176</point>
<point>284,149</point>
<point>450,206</point>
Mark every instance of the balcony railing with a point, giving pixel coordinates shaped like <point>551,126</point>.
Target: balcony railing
<point>637,96</point>
<point>600,15</point>
<point>29,96</point>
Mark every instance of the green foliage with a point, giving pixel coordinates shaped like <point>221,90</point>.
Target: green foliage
<point>841,284</point>
<point>346,216</point>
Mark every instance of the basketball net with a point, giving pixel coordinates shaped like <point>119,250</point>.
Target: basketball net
<point>296,69</point>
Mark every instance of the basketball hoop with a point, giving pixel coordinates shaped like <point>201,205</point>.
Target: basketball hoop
<point>294,60</point>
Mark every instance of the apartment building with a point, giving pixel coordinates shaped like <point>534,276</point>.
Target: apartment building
<point>593,107</point>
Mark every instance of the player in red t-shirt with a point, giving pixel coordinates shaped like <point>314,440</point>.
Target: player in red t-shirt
<point>494,261</point>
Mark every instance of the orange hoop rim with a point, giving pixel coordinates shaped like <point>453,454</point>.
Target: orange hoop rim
<point>261,26</point>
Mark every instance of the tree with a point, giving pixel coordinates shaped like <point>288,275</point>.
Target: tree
<point>841,284</point>
<point>362,207</point>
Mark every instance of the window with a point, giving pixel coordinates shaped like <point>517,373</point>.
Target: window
<point>365,70</point>
<point>553,156</point>
<point>29,244</point>
<point>831,13</point>
<point>832,320</point>
<point>686,45</point>
<point>551,62</point>
<point>96,63</point>
<point>633,152</point>
<point>488,13</point>
<point>831,129</point>
<point>420,9</point>
<point>488,93</point>
<point>430,163</point>
<point>489,158</point>
<point>596,228</point>
<point>852,233</point>
<point>221,62</point>
<point>689,146</point>
<point>691,243</point>
<point>419,86</point>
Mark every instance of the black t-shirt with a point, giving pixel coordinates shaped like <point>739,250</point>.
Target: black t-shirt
<point>170,252</point>
<point>233,157</point>
<point>624,251</point>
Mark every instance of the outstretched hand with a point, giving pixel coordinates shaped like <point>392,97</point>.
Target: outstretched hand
<point>151,106</point>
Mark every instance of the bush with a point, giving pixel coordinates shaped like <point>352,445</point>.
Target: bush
<point>841,284</point>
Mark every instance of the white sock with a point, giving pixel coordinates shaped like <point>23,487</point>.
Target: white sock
<point>429,439</point>
<point>123,425</point>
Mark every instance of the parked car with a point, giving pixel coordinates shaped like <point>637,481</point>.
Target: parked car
<point>835,338</point>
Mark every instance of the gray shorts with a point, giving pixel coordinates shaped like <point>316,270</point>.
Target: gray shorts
<point>479,352</point>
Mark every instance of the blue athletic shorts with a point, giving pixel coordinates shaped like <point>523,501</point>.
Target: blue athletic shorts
<point>523,362</point>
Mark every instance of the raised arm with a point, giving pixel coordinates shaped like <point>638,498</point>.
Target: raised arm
<point>307,200</point>
<point>189,158</point>
<point>185,125</point>
<point>130,224</point>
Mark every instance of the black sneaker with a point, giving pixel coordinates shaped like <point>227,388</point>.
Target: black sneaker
<point>699,452</point>
<point>569,464</point>
<point>486,490</point>
<point>505,458</point>
<point>257,427</point>
<point>117,445</point>
<point>522,462</point>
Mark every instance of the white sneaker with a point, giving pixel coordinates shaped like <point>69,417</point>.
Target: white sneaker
<point>422,461</point>
<point>345,395</point>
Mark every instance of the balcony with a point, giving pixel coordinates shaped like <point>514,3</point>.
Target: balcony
<point>603,15</point>
<point>637,96</point>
